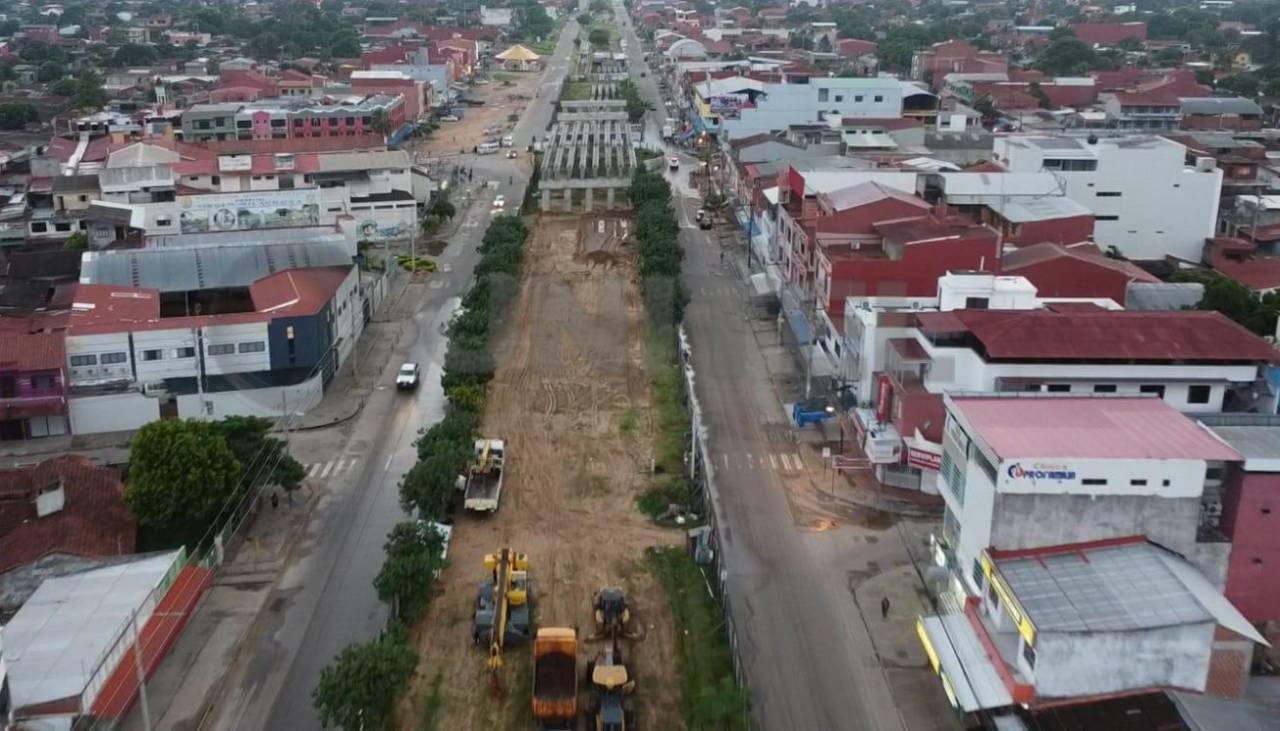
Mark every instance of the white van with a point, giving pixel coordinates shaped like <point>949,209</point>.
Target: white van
<point>508,141</point>
<point>487,148</point>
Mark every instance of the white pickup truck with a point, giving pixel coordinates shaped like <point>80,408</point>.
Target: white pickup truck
<point>482,486</point>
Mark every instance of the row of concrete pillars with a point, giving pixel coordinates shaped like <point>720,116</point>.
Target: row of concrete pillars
<point>587,198</point>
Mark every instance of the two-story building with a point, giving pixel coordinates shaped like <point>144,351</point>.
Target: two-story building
<point>33,398</point>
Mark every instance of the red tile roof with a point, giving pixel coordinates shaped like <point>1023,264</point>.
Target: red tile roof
<point>1039,253</point>
<point>31,343</point>
<point>1120,335</point>
<point>1109,33</point>
<point>93,522</point>
<point>297,291</point>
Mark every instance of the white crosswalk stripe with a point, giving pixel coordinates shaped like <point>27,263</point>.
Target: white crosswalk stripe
<point>786,462</point>
<point>331,469</point>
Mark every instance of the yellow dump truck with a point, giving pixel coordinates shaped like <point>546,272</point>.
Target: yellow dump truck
<point>555,678</point>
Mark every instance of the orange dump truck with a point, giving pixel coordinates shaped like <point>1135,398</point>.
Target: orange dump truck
<point>555,678</point>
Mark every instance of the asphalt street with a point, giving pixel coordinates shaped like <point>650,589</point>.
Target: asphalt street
<point>809,660</point>
<point>326,600</point>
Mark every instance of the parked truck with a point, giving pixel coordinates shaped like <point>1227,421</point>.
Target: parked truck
<point>555,678</point>
<point>483,482</point>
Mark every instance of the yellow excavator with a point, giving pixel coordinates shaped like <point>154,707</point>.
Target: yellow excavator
<point>502,605</point>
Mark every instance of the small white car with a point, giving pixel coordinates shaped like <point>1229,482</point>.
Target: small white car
<point>499,201</point>
<point>407,377</point>
<point>449,118</point>
<point>673,162</point>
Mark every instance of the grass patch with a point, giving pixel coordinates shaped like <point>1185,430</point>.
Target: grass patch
<point>432,705</point>
<point>628,422</point>
<point>668,402</point>
<point>506,75</point>
<point>575,91</point>
<point>709,696</point>
<point>544,48</point>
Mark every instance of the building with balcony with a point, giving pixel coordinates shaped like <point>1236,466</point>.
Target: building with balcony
<point>33,383</point>
<point>1150,110</point>
<point>1147,202</point>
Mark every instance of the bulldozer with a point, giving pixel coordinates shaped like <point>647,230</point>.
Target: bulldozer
<point>613,616</point>
<point>611,686</point>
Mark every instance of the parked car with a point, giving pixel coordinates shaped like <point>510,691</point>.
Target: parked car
<point>512,154</point>
<point>499,201</point>
<point>448,118</point>
<point>407,377</point>
<point>673,162</point>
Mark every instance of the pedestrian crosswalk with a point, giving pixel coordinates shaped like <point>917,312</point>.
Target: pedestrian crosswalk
<point>331,469</point>
<point>725,289</point>
<point>784,462</point>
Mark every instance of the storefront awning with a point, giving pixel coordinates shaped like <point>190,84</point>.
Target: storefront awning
<point>958,657</point>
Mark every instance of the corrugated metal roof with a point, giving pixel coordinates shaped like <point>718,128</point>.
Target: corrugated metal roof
<point>364,161</point>
<point>964,664</point>
<point>1109,336</point>
<point>54,644</point>
<point>1088,428</point>
<point>185,270</point>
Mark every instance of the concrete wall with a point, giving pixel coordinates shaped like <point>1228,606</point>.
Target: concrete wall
<point>1080,663</point>
<point>112,412</point>
<point>265,402</point>
<point>1251,517</point>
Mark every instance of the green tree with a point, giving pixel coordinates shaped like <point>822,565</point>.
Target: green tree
<point>64,87</point>
<point>584,20</point>
<point>89,92</point>
<point>443,207</point>
<point>382,122</point>
<point>1041,97</point>
<point>1067,56</point>
<point>50,71</point>
<point>534,22</point>
<point>345,44</point>
<point>78,241</point>
<point>359,689</point>
<point>598,37</point>
<point>264,459</point>
<point>16,115</point>
<point>134,54</point>
<point>181,473</point>
<point>409,571</point>
<point>429,486</point>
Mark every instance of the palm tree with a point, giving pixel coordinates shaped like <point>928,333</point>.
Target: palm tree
<point>382,123</point>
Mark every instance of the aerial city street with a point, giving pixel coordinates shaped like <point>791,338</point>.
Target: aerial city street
<point>640,364</point>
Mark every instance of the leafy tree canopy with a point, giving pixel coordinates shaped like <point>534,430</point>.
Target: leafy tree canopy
<point>360,687</point>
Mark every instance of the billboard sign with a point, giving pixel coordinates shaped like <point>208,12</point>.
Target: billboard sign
<point>250,210</point>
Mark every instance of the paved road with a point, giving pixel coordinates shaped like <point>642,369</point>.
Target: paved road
<point>809,659</point>
<point>326,599</point>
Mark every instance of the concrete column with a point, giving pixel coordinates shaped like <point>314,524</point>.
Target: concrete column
<point>568,200</point>
<point>586,206</point>
<point>546,199</point>
<point>608,198</point>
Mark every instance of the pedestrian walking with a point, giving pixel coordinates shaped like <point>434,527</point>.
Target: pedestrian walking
<point>275,500</point>
<point>884,608</point>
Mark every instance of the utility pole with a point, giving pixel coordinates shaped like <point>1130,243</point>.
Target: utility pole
<point>137,663</point>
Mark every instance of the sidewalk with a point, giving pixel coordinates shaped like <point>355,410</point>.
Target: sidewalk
<point>902,657</point>
<point>787,380</point>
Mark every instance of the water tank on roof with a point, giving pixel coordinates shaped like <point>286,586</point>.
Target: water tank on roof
<point>1205,164</point>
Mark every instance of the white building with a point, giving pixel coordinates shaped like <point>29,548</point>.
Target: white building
<point>1147,201</point>
<point>1015,467</point>
<point>781,105</point>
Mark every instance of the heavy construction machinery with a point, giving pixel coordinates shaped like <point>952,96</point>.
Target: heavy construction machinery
<point>502,605</point>
<point>555,678</point>
<point>611,688</point>
<point>613,615</point>
<point>482,488</point>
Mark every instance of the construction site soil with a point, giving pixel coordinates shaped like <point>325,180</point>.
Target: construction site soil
<point>571,397</point>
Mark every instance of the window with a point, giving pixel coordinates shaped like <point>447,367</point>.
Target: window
<point>1165,483</point>
<point>1198,394</point>
<point>1059,388</point>
<point>976,303</point>
<point>1094,481</point>
<point>823,94</point>
<point>858,98</point>
<point>839,97</point>
<point>879,98</point>
<point>1137,483</point>
<point>1068,165</point>
<point>1029,654</point>
<point>366,120</point>
<point>164,221</point>
<point>61,227</point>
<point>978,575</point>
<point>953,473</point>
<point>39,227</point>
<point>216,180</point>
<point>222,349</point>
<point>1031,388</point>
<point>1108,194</point>
<point>1104,388</point>
<point>84,198</point>
<point>256,346</point>
<point>112,358</point>
<point>1106,218</point>
<point>983,463</point>
<point>153,354</point>
<point>187,352</point>
<point>80,361</point>
<point>1152,389</point>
